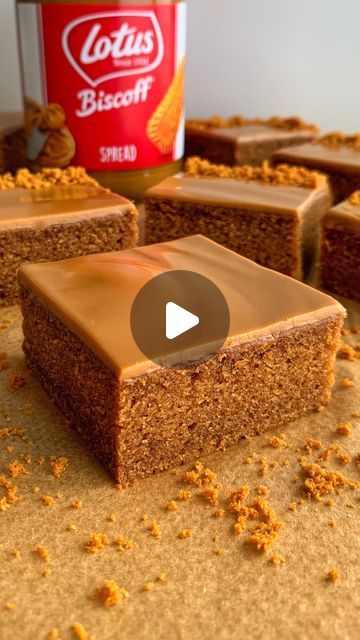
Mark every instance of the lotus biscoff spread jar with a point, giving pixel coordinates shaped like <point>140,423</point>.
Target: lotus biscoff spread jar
<point>104,87</point>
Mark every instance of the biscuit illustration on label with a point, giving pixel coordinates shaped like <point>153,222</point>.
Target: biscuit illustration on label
<point>163,125</point>
<point>50,142</point>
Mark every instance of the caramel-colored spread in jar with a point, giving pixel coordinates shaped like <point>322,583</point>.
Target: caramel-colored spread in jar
<point>103,88</point>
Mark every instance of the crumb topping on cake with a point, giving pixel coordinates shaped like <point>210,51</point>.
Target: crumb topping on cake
<point>46,178</point>
<point>336,139</point>
<point>292,123</point>
<point>354,198</point>
<point>282,174</point>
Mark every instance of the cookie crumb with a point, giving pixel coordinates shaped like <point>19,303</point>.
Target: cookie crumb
<point>162,577</point>
<point>345,428</point>
<point>149,586</point>
<point>71,527</point>
<point>184,494</point>
<point>123,543</point>
<point>155,530</point>
<point>79,631</point>
<point>277,559</point>
<point>346,383</point>
<point>334,575</point>
<point>48,500</point>
<point>97,541</point>
<point>172,505</point>
<point>17,469</point>
<point>9,605</point>
<point>43,553</point>
<point>185,533</point>
<point>76,504</point>
<point>110,594</point>
<point>58,466</point>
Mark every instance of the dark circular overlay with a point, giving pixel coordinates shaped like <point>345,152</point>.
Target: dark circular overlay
<point>194,293</point>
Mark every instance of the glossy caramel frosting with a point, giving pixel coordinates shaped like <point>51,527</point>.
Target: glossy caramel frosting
<point>93,295</point>
<point>19,207</point>
<point>344,214</point>
<point>229,192</point>
<point>321,156</point>
<point>251,132</point>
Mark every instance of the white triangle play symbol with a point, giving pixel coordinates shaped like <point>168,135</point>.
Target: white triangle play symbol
<point>178,320</point>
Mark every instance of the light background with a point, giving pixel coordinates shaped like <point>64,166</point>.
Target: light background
<point>257,58</point>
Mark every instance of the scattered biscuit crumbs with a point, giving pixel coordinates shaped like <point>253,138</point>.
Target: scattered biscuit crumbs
<point>334,575</point>
<point>17,469</point>
<point>331,449</point>
<point>16,381</point>
<point>282,174</point>
<point>43,553</point>
<point>292,123</point>
<point>347,352</point>
<point>332,522</point>
<point>261,490</point>
<point>277,441</point>
<point>172,505</point>
<point>77,504</point>
<point>311,444</point>
<point>53,634</point>
<point>27,457</point>
<point>184,494</point>
<point>345,331</point>
<point>10,606</point>
<point>111,517</point>
<point>293,506</point>
<point>48,500</point>
<point>264,469</point>
<point>155,530</point>
<point>185,533</point>
<point>329,502</point>
<point>9,449</point>
<point>274,464</point>
<point>123,543</point>
<point>144,517</point>
<point>339,139</point>
<point>162,577</point>
<point>343,457</point>
<point>277,559</point>
<point>80,631</point>
<point>110,594</point>
<point>217,551</point>
<point>320,408</point>
<point>344,428</point>
<point>58,465</point>
<point>71,527</point>
<point>10,498</point>
<point>219,513</point>
<point>8,432</point>
<point>41,460</point>
<point>46,178</point>
<point>46,573</point>
<point>319,482</point>
<point>347,382</point>
<point>200,475</point>
<point>97,541</point>
<point>16,553</point>
<point>351,505</point>
<point>264,534</point>
<point>211,493</point>
<point>149,586</point>
<point>35,489</point>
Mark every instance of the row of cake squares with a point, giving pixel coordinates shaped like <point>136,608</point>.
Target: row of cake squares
<point>270,213</point>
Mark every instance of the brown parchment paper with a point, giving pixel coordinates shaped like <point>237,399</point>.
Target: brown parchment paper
<point>237,594</point>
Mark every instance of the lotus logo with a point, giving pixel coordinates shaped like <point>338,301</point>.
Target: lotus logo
<point>108,45</point>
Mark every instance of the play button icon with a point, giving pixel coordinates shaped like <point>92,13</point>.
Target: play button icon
<point>179,318</point>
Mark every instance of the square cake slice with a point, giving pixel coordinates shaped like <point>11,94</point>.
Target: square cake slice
<point>335,154</point>
<point>340,249</point>
<point>268,215</point>
<point>140,418</point>
<point>239,140</point>
<point>57,214</point>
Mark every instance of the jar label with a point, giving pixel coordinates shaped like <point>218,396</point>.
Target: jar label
<point>103,84</point>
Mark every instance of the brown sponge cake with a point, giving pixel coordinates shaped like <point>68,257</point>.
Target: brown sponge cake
<point>57,214</point>
<point>268,215</point>
<point>139,418</point>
